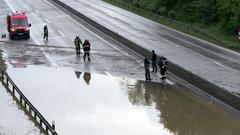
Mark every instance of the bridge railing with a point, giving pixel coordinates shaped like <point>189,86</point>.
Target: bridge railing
<point>16,93</point>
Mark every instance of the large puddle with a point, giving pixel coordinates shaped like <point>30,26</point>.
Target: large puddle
<point>13,120</point>
<point>94,104</point>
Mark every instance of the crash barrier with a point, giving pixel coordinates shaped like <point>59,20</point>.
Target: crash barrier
<point>17,94</point>
<point>221,94</point>
<point>166,20</point>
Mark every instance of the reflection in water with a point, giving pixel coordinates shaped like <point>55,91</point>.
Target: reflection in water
<point>105,107</point>
<point>87,77</point>
<point>181,114</point>
<point>13,121</point>
<point>78,73</point>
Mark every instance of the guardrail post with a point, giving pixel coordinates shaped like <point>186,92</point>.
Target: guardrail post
<point>40,122</point>
<point>25,104</point>
<point>53,125</point>
<point>2,75</point>
<point>47,130</point>
<point>7,81</point>
<point>21,99</point>
<point>35,116</point>
<point>13,88</point>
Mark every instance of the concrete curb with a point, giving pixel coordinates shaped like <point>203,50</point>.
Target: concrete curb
<point>208,87</point>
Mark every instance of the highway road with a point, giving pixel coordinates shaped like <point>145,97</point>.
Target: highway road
<point>107,55</point>
<point>217,65</point>
<point>116,100</point>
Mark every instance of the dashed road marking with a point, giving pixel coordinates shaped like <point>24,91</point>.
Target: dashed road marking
<point>221,65</point>
<point>168,81</point>
<point>51,61</point>
<point>170,43</point>
<point>108,74</point>
<point>46,20</point>
<point>61,33</point>
<point>36,10</point>
<point>86,28</point>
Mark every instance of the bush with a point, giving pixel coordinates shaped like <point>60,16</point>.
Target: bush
<point>163,11</point>
<point>172,14</point>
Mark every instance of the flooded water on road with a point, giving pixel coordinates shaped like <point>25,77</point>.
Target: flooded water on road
<point>13,120</point>
<point>94,104</point>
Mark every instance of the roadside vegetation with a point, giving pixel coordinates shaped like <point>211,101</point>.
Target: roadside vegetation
<point>216,21</point>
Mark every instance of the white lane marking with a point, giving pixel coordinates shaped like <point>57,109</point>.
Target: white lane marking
<point>220,64</point>
<point>108,74</point>
<point>226,67</point>
<point>61,33</point>
<point>51,61</point>
<point>86,28</point>
<point>36,41</point>
<point>171,43</point>
<point>169,82</point>
<point>9,5</point>
<point>46,20</point>
<point>36,10</point>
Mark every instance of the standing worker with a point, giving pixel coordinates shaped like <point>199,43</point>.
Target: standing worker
<point>154,62</point>
<point>45,32</point>
<point>147,71</point>
<point>86,49</point>
<point>77,43</point>
<point>163,67</point>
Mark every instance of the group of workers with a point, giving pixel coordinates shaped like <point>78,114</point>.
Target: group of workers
<point>77,42</point>
<point>162,63</point>
<point>85,45</point>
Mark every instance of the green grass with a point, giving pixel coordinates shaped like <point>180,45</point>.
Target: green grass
<point>209,33</point>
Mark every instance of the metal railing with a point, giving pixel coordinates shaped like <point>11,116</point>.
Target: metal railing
<point>26,104</point>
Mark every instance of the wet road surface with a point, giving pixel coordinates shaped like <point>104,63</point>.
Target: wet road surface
<point>59,51</point>
<point>217,65</point>
<point>60,86</point>
<point>95,104</point>
<point>13,120</point>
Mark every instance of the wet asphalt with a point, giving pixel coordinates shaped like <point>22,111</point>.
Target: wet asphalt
<point>107,56</point>
<point>108,94</point>
<point>217,65</point>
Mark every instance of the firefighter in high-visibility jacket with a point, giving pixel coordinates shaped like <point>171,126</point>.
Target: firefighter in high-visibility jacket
<point>77,43</point>
<point>163,67</point>
<point>86,50</point>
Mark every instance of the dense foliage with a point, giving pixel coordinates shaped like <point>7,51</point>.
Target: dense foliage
<point>224,13</point>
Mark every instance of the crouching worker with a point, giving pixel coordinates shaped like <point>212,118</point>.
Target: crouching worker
<point>147,70</point>
<point>86,49</point>
<point>163,67</point>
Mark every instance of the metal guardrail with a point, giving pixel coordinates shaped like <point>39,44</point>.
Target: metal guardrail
<point>16,93</point>
<point>209,87</point>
